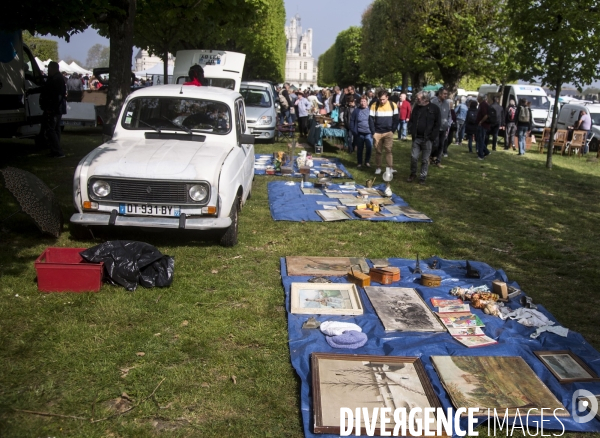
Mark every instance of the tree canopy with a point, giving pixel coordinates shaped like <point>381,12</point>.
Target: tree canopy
<point>97,56</point>
<point>41,47</point>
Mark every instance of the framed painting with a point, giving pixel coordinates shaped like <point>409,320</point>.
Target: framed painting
<point>566,366</point>
<point>325,299</point>
<point>504,383</point>
<point>363,381</point>
<point>333,215</point>
<point>318,266</point>
<point>402,309</point>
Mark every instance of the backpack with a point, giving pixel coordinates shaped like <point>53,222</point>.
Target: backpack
<point>523,114</point>
<point>283,101</point>
<point>493,116</point>
<point>472,117</point>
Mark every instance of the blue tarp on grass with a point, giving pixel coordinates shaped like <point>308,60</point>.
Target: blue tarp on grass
<point>318,162</point>
<point>288,203</point>
<point>513,340</point>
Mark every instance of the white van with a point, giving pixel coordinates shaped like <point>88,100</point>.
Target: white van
<point>221,69</point>
<point>532,93</point>
<point>569,114</point>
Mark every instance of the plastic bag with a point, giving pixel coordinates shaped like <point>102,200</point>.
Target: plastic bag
<point>130,263</point>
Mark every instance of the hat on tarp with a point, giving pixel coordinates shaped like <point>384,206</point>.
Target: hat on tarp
<point>349,339</point>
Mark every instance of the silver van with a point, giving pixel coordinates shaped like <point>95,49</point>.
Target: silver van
<point>261,112</point>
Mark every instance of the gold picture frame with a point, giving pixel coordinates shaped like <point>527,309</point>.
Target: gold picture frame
<point>566,366</point>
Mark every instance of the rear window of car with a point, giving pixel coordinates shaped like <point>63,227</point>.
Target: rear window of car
<point>229,84</point>
<point>177,114</point>
<point>256,97</point>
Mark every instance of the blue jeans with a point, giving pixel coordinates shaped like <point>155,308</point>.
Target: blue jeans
<point>460,131</point>
<point>420,147</point>
<point>522,133</point>
<point>470,136</point>
<point>481,138</point>
<point>363,141</point>
<point>402,128</point>
<point>285,116</point>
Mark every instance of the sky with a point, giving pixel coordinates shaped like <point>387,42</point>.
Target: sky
<point>327,18</point>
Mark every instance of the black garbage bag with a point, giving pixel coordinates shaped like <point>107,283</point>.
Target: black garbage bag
<point>130,263</point>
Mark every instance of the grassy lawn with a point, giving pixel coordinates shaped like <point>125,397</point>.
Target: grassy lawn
<point>217,338</point>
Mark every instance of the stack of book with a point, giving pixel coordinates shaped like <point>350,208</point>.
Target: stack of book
<point>463,325</point>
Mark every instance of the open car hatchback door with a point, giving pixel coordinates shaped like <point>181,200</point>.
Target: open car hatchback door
<point>221,69</point>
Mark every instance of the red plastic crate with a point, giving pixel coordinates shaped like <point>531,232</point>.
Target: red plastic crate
<point>64,270</point>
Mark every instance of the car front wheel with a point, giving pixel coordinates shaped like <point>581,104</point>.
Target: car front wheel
<point>230,238</point>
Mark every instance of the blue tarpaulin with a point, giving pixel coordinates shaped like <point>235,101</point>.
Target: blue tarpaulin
<point>513,340</point>
<point>288,203</point>
<point>259,159</point>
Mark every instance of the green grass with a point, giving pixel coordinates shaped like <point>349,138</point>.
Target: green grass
<point>73,354</point>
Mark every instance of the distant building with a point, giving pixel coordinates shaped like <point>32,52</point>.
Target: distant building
<point>145,61</point>
<point>300,66</point>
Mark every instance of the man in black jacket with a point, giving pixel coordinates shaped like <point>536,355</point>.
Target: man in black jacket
<point>53,103</point>
<point>425,126</point>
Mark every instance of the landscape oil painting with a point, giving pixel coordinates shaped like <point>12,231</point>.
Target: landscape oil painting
<point>494,382</point>
<point>402,309</point>
<point>325,299</point>
<point>361,381</point>
<point>317,266</point>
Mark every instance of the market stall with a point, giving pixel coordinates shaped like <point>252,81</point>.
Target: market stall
<point>265,164</point>
<point>317,132</point>
<point>417,360</point>
<point>297,202</point>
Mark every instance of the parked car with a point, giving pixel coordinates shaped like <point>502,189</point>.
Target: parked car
<point>260,109</point>
<point>180,157</point>
<point>569,114</point>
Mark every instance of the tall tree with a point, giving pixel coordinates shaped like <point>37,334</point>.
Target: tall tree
<point>97,56</point>
<point>41,47</point>
<point>325,75</point>
<point>560,43</point>
<point>347,68</point>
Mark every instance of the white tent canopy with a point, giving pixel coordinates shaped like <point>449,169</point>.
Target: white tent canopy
<point>78,69</point>
<point>158,69</point>
<point>64,67</point>
<point>41,64</point>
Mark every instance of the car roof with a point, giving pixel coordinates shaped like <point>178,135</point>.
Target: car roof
<point>213,93</point>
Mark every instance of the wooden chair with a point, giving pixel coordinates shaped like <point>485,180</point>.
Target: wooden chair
<point>529,140</point>
<point>577,143</point>
<point>560,141</point>
<point>545,139</point>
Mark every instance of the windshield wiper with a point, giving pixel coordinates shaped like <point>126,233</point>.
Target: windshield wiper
<point>149,125</point>
<point>178,125</point>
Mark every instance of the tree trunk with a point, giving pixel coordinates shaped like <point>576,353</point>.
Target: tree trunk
<point>553,125</point>
<point>165,58</point>
<point>121,50</point>
<point>405,77</point>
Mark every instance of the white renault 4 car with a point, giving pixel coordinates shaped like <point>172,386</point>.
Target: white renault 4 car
<point>180,157</point>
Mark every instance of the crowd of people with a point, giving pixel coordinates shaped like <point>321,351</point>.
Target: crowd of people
<point>434,123</point>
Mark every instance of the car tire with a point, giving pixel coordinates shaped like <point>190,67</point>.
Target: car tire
<point>594,145</point>
<point>230,238</point>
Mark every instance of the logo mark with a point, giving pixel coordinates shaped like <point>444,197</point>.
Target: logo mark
<point>583,402</point>
<point>148,189</point>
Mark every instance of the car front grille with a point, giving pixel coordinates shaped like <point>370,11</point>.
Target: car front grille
<point>250,121</point>
<point>540,121</point>
<point>149,191</point>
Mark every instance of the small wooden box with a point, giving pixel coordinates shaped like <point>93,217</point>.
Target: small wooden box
<point>359,279</point>
<point>431,280</point>
<point>286,170</point>
<point>386,275</point>
<point>304,170</point>
<point>500,288</point>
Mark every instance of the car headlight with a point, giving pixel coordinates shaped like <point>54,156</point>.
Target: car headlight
<point>265,120</point>
<point>198,192</point>
<point>101,188</point>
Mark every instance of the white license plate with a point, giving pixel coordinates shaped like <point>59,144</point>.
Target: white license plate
<point>149,210</point>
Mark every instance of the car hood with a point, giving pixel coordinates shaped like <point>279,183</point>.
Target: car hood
<point>255,112</point>
<point>159,159</point>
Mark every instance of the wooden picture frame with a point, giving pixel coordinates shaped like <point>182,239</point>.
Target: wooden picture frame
<point>566,366</point>
<point>325,299</point>
<point>353,381</point>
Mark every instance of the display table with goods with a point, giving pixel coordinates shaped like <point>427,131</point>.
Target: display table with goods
<point>326,202</point>
<point>368,334</point>
<point>319,131</point>
<point>280,163</point>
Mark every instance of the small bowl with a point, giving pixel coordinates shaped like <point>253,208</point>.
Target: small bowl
<point>430,280</point>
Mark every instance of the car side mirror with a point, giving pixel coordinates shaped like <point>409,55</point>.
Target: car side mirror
<point>247,139</point>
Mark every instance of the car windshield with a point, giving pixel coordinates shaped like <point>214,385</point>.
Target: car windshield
<point>256,97</point>
<point>595,118</point>
<point>177,114</point>
<point>229,84</point>
<point>537,102</point>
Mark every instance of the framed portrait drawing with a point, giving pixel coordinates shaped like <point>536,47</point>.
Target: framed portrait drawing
<point>566,366</point>
<point>495,382</point>
<point>328,266</point>
<point>325,299</point>
<point>363,381</point>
